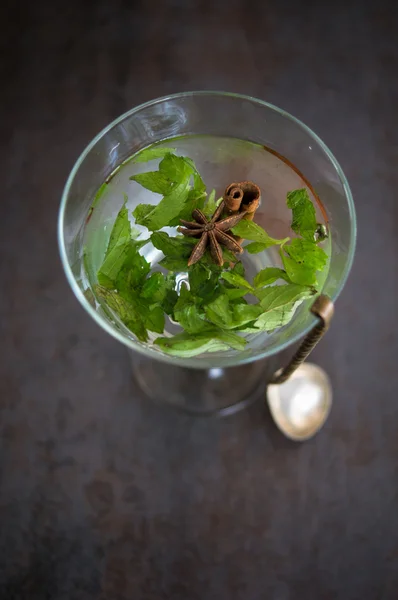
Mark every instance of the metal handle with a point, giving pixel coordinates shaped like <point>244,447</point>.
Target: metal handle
<point>323,308</point>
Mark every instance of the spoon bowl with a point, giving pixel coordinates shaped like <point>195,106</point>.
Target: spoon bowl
<point>301,405</point>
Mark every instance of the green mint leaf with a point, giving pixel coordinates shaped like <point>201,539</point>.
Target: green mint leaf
<point>228,256</point>
<point>154,320</point>
<point>142,211</point>
<point>198,182</point>
<point>195,199</point>
<point>169,301</point>
<point>302,259</point>
<point>185,298</point>
<point>269,275</point>
<point>132,273</point>
<point>218,312</point>
<point>279,303</point>
<point>175,264</point>
<point>154,181</point>
<point>239,269</point>
<point>98,196</point>
<point>168,208</point>
<point>211,204</point>
<point>175,168</point>
<point>121,230</point>
<point>152,153</point>
<point>235,293</point>
<point>154,288</point>
<point>249,230</point>
<point>190,318</point>
<point>204,281</point>
<point>245,313</point>
<point>277,296</point>
<point>232,339</point>
<point>257,247</point>
<point>126,311</point>
<point>305,252</point>
<point>112,265</point>
<point>304,219</point>
<point>172,246</point>
<point>186,345</point>
<point>299,273</point>
<point>236,280</point>
<point>117,250</point>
<point>171,297</point>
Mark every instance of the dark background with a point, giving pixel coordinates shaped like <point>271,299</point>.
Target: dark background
<point>105,495</point>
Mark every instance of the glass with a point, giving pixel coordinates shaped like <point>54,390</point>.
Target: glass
<point>216,381</point>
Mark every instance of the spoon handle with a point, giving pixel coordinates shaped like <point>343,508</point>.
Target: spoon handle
<point>323,308</point>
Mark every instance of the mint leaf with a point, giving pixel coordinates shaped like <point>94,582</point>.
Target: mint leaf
<point>204,281</point>
<point>112,265</point>
<point>168,208</point>
<point>172,246</point>
<point>126,311</point>
<point>218,311</point>
<point>175,168</point>
<point>198,182</point>
<point>228,255</point>
<point>235,293</point>
<point>154,320</point>
<point>239,268</point>
<point>245,313</point>
<point>211,204</point>
<point>302,259</point>
<point>141,212</point>
<point>169,301</point>
<point>132,273</point>
<point>170,297</point>
<point>276,296</point>
<point>305,252</point>
<point>257,247</point>
<point>121,230</point>
<point>269,275</point>
<point>232,339</point>
<point>153,181</point>
<point>236,280</point>
<point>304,219</point>
<point>195,199</point>
<point>175,264</point>
<point>249,230</point>
<point>152,153</point>
<point>187,345</point>
<point>117,249</point>
<point>97,197</point>
<point>190,318</point>
<point>154,288</point>
<point>279,303</point>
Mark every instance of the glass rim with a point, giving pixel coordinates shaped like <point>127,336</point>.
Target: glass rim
<point>152,352</point>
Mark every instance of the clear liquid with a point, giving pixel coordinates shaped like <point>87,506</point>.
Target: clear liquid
<point>220,161</point>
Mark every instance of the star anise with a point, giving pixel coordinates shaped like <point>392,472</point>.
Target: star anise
<point>213,233</point>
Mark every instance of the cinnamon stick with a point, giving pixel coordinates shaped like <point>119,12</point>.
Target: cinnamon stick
<point>242,197</point>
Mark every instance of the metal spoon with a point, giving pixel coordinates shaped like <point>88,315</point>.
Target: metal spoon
<point>301,405</point>
<point>300,395</point>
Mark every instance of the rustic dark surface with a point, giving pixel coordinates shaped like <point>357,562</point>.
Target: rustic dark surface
<point>106,496</point>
